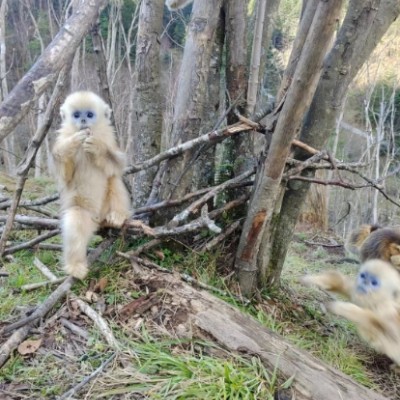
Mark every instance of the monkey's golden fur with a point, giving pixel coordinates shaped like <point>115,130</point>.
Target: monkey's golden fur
<point>89,169</point>
<point>375,314</point>
<point>383,244</point>
<point>357,237</point>
<point>372,241</point>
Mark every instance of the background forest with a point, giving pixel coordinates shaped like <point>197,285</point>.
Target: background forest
<point>258,134</point>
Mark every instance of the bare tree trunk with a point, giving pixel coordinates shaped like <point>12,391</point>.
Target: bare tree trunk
<point>267,187</point>
<point>364,25</point>
<point>239,150</point>
<point>254,70</point>
<point>191,94</point>
<point>39,164</point>
<point>204,167</point>
<point>8,153</point>
<point>147,98</point>
<point>44,71</point>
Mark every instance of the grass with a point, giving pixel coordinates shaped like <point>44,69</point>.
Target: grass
<point>156,364</point>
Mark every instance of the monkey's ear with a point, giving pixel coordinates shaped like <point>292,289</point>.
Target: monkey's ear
<point>108,112</point>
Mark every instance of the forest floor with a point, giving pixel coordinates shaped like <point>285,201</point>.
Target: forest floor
<point>159,356</point>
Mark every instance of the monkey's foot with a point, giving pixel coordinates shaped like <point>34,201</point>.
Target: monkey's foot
<point>115,219</point>
<point>79,270</point>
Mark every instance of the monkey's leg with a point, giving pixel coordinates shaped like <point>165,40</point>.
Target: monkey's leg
<point>117,203</point>
<point>77,227</point>
<point>332,281</point>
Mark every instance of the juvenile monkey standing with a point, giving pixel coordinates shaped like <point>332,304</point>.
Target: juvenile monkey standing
<point>374,305</point>
<point>89,167</point>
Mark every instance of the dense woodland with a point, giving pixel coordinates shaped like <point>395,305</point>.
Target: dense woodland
<point>248,125</point>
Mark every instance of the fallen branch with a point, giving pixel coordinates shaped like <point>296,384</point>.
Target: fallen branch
<point>189,196</point>
<point>36,222</point>
<point>31,243</point>
<point>98,320</point>
<point>213,136</point>
<point>79,386</point>
<point>222,236</point>
<point>43,269</point>
<point>37,285</point>
<point>74,328</point>
<point>44,308</point>
<point>25,324</point>
<point>31,203</point>
<point>203,221</point>
<point>185,277</point>
<point>311,378</point>
<point>30,155</point>
<point>183,215</point>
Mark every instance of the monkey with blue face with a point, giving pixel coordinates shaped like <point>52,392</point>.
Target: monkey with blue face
<point>374,305</point>
<point>89,167</point>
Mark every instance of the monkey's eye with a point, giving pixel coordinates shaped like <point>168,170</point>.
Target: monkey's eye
<point>76,114</point>
<point>374,282</point>
<point>362,275</point>
<point>90,114</point>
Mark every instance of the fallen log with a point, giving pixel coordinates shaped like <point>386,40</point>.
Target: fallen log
<point>312,378</point>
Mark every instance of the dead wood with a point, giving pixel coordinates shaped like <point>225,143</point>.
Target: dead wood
<point>312,378</point>
<point>210,137</point>
<point>30,155</point>
<point>31,243</point>
<point>23,326</point>
<point>77,388</point>
<point>57,54</point>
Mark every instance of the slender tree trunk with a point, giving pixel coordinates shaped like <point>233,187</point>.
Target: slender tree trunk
<point>239,150</point>
<point>45,70</point>
<point>191,94</point>
<point>147,111</point>
<point>364,25</point>
<point>265,193</point>
<point>204,167</point>
<point>8,153</point>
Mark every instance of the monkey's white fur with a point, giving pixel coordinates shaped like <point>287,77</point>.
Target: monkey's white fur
<point>89,169</point>
<point>376,314</point>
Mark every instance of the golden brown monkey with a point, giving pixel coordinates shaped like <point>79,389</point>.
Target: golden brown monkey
<point>372,241</point>
<point>383,244</point>
<point>374,305</point>
<point>357,237</point>
<point>89,169</point>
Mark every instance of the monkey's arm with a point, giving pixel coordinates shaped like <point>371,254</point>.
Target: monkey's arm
<point>64,153</point>
<point>364,318</point>
<point>105,156</point>
<point>331,281</point>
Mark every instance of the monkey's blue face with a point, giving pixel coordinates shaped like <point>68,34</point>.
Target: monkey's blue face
<point>367,282</point>
<point>83,118</point>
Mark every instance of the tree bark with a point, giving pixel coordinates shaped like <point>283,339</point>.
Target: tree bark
<point>238,150</point>
<point>147,111</point>
<point>362,28</point>
<point>312,378</point>
<point>204,167</point>
<point>265,193</point>
<point>45,70</point>
<point>191,94</point>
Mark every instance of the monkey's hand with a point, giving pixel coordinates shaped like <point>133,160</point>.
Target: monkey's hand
<point>94,146</point>
<point>80,137</point>
<point>331,281</point>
